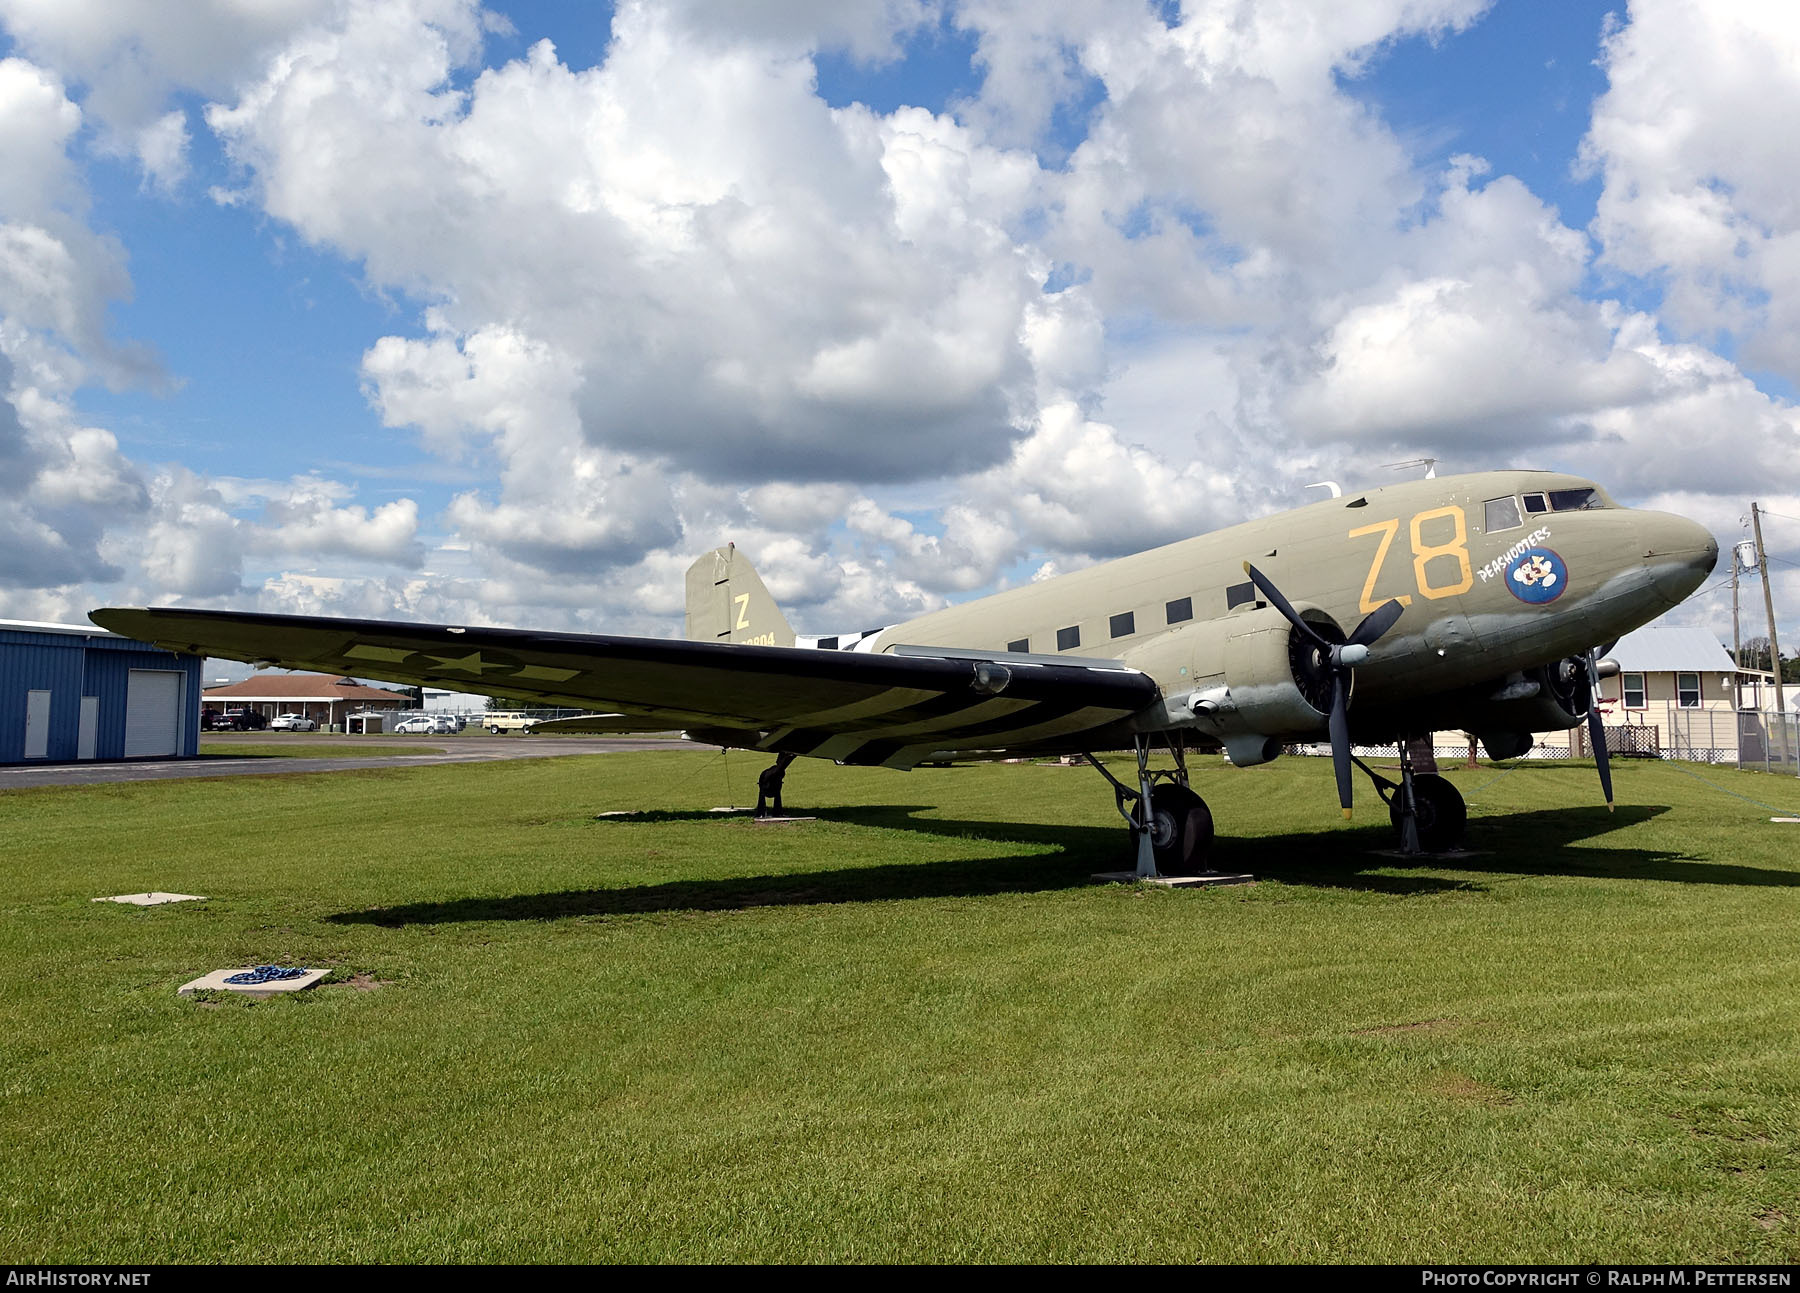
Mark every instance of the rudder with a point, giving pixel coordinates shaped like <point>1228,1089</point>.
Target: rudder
<point>727,602</point>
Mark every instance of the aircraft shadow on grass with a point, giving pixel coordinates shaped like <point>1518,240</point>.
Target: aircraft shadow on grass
<point>1521,844</point>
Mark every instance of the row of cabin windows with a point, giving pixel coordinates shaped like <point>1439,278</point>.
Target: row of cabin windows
<point>1505,513</point>
<point>1687,691</point>
<point>1122,625</point>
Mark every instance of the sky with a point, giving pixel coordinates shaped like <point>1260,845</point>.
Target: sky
<point>502,314</point>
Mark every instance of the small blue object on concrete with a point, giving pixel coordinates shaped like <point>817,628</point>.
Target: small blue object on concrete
<point>268,974</point>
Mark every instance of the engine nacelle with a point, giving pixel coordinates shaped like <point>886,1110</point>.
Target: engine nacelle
<point>1262,684</point>
<point>1549,698</point>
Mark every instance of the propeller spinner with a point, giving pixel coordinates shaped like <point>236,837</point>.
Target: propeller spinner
<point>1339,658</point>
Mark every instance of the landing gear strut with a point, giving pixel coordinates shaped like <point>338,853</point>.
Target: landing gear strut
<point>1427,811</point>
<point>768,787</point>
<point>1172,826</point>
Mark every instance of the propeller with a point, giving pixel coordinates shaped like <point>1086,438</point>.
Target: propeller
<point>1338,658</point>
<point>1597,728</point>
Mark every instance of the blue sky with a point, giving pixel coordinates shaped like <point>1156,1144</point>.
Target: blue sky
<point>917,298</point>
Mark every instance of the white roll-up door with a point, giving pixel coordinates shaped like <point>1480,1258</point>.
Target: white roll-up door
<point>152,713</point>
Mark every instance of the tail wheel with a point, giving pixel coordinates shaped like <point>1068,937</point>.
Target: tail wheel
<point>1181,830</point>
<point>1439,810</point>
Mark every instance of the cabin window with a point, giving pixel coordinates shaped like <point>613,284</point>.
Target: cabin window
<point>1122,625</point>
<point>1687,690</point>
<point>1575,500</point>
<point>1503,514</point>
<point>1023,644</point>
<point>1633,685</point>
<point>828,644</point>
<point>1180,610</point>
<point>1068,639</point>
<point>1535,503</point>
<point>1239,595</point>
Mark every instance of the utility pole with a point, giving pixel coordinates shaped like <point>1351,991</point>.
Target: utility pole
<point>1737,636</point>
<point>1762,566</point>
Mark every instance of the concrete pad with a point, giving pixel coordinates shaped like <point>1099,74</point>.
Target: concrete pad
<point>781,821</point>
<point>727,810</point>
<point>215,982</point>
<point>1785,819</point>
<point>1206,879</point>
<point>155,898</point>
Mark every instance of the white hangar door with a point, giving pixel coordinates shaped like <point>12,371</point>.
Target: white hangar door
<point>37,724</point>
<point>152,712</point>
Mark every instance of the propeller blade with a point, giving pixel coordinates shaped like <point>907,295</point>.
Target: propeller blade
<point>1597,729</point>
<point>1282,604</point>
<point>1340,738</point>
<point>1377,622</point>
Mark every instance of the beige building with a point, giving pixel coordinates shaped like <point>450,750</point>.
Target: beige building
<point>324,699</point>
<point>1676,695</point>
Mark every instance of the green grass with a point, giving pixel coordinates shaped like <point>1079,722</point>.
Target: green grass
<point>911,1030</point>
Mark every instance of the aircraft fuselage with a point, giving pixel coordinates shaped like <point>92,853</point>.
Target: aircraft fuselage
<point>1498,572</point>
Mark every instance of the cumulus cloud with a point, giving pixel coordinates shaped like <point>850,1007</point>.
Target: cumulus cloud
<point>1694,144</point>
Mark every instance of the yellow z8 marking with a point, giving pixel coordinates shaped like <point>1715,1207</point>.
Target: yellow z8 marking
<point>1424,554</point>
<point>742,602</point>
<point>1387,530</point>
<point>1458,547</point>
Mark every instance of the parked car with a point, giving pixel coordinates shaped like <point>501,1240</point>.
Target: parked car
<point>293,723</point>
<point>235,720</point>
<point>498,721</point>
<point>428,724</point>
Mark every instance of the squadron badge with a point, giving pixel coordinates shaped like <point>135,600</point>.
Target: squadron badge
<point>1537,575</point>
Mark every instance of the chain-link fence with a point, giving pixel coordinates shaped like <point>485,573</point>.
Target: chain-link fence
<point>1768,742</point>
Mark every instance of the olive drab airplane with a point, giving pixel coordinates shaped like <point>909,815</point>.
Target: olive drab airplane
<point>1480,603</point>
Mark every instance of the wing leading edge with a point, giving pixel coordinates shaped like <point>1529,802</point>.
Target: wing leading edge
<point>854,707</point>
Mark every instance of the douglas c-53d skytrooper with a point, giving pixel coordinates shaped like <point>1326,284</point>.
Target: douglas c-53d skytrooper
<point>1478,602</point>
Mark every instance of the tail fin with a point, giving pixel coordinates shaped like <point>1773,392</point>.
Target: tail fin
<point>726,602</point>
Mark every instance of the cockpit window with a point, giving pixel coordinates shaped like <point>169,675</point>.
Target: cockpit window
<point>1575,500</point>
<point>1535,503</point>
<point>1503,514</point>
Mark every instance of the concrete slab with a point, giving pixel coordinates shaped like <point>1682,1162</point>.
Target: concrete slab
<point>1785,819</point>
<point>1206,879</point>
<point>155,898</point>
<point>781,821</point>
<point>215,982</point>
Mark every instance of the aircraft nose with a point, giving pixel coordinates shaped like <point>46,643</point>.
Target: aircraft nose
<point>1679,553</point>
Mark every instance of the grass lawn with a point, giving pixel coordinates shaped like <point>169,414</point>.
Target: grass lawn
<point>910,1030</point>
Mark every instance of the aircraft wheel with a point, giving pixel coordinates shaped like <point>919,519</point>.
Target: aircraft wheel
<point>1181,830</point>
<point>1438,806</point>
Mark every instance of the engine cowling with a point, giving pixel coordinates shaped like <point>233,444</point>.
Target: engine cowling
<point>1251,682</point>
<point>1548,698</point>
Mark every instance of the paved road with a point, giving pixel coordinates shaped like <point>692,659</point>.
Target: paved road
<point>453,749</point>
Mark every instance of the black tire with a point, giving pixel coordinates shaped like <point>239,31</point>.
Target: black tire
<point>1438,806</point>
<point>1181,830</point>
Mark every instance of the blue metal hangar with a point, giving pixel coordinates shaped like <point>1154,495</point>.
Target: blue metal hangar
<point>69,692</point>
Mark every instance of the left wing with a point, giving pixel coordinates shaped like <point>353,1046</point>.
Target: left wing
<point>854,707</point>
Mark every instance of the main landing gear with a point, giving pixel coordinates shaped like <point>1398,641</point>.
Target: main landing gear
<point>768,786</point>
<point>1171,824</point>
<point>1427,811</point>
